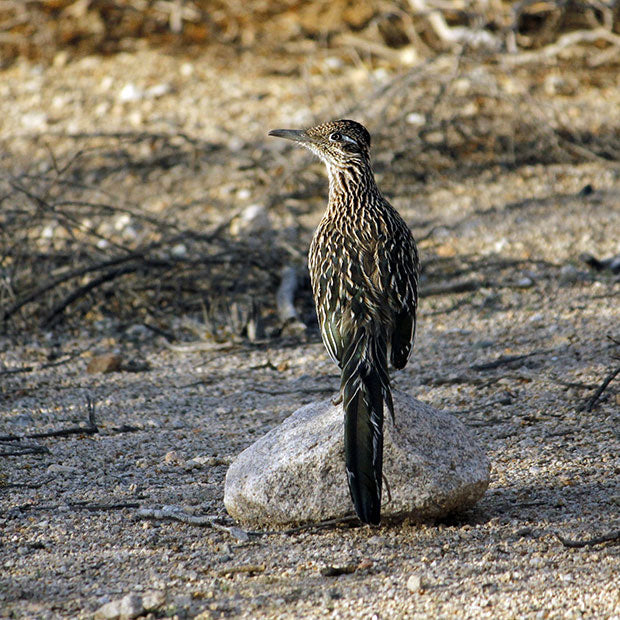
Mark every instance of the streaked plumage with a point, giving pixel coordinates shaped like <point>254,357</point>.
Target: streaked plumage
<point>364,271</point>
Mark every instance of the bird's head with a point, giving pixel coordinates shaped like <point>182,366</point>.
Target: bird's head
<point>339,144</point>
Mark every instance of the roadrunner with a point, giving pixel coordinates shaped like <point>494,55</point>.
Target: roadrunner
<point>364,272</point>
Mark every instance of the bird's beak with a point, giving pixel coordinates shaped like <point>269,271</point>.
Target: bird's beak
<point>297,135</point>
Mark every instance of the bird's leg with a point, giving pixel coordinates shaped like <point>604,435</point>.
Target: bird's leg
<point>387,488</point>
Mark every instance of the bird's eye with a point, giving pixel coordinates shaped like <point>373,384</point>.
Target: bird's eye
<point>336,136</point>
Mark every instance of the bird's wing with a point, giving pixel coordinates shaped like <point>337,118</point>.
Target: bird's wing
<point>325,275</point>
<point>400,279</point>
<point>343,300</point>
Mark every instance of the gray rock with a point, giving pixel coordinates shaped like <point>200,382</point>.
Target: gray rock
<point>295,473</point>
<point>153,599</point>
<point>108,611</point>
<point>569,274</point>
<point>131,606</point>
<point>126,608</point>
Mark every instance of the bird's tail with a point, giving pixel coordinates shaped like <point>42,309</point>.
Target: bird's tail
<point>365,387</point>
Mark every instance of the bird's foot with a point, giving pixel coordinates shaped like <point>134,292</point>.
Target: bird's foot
<point>336,400</point>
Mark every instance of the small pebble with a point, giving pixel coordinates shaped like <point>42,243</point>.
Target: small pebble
<point>568,274</point>
<point>109,362</point>
<point>187,68</point>
<point>34,121</point>
<point>525,282</point>
<point>254,218</point>
<point>415,119</point>
<point>415,583</point>
<point>130,92</point>
<point>172,457</point>
<point>60,469</point>
<point>333,62</point>
<point>159,90</point>
<point>179,250</point>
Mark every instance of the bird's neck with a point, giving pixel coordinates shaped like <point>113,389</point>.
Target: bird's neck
<point>351,183</point>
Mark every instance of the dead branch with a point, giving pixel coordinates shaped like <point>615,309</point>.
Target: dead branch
<point>59,308</point>
<point>589,405</point>
<point>574,384</point>
<point>69,220</point>
<point>458,35</point>
<point>570,39</point>
<point>102,507</point>
<point>401,56</point>
<point>508,359</point>
<point>168,335</point>
<point>90,428</point>
<point>23,369</point>
<point>450,288</point>
<point>23,449</point>
<point>613,536</point>
<point>71,274</point>
<point>184,268</point>
<point>175,513</point>
<point>26,485</point>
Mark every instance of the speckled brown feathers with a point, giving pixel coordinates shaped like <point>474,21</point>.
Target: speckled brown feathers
<point>364,271</point>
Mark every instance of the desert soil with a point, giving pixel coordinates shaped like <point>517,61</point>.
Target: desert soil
<point>71,538</point>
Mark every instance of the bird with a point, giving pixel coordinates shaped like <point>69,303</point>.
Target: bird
<point>364,271</point>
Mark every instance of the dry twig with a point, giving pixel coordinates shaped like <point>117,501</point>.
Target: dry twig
<point>23,448</point>
<point>508,359</point>
<point>90,428</point>
<point>570,39</point>
<point>589,405</point>
<point>613,536</point>
<point>457,35</point>
<point>450,288</point>
<point>102,506</point>
<point>175,513</point>
<point>24,369</point>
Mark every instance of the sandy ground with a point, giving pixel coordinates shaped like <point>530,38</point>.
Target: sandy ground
<point>70,535</point>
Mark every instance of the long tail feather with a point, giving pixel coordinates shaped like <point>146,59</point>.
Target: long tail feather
<point>365,388</point>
